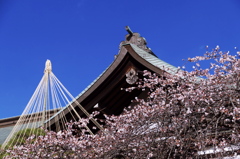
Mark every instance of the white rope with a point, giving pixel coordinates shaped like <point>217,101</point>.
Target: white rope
<point>49,96</point>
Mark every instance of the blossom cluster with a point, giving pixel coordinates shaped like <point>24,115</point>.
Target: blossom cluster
<point>182,116</point>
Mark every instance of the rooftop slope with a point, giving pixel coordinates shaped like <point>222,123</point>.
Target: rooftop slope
<point>134,46</point>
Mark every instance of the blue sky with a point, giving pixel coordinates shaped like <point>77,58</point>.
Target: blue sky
<point>81,37</point>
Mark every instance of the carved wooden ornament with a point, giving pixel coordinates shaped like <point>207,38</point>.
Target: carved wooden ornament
<point>131,76</point>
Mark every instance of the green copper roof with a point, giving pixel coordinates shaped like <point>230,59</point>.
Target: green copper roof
<point>4,132</point>
<point>154,60</point>
<point>146,56</point>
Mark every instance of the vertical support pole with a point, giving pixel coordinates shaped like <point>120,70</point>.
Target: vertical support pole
<point>47,71</point>
<point>45,99</point>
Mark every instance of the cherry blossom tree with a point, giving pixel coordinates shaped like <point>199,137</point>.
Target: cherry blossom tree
<point>186,115</point>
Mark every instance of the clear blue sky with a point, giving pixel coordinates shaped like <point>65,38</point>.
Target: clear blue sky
<point>81,37</point>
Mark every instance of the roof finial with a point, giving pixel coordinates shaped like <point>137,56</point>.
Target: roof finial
<point>129,30</point>
<point>48,67</point>
<point>136,39</point>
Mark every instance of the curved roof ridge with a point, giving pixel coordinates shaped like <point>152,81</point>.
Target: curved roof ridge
<point>155,60</point>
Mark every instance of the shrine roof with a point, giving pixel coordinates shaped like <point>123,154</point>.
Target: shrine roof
<point>6,126</point>
<point>4,133</point>
<point>152,59</point>
<point>133,48</point>
<point>149,58</point>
